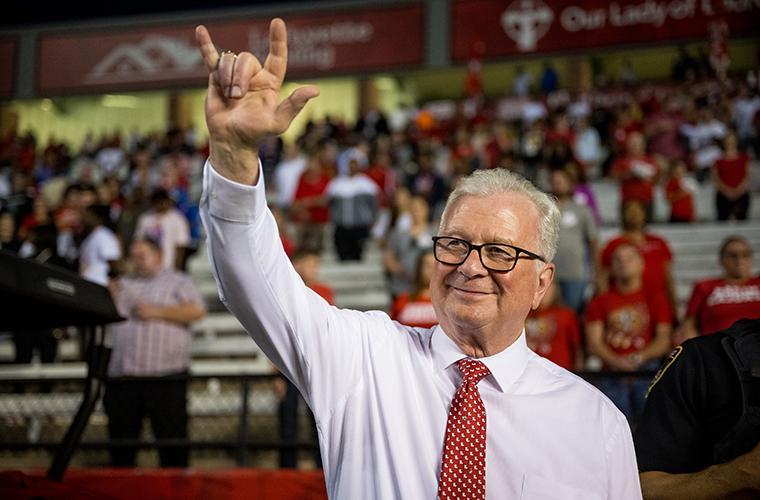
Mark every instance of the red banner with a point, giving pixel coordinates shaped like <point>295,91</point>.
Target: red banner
<point>7,67</point>
<point>318,44</point>
<point>494,28</point>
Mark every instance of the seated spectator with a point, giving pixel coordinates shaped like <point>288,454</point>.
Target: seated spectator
<point>731,175</point>
<point>552,331</point>
<point>416,308</point>
<point>629,328</point>
<point>716,303</point>
<point>637,173</point>
<point>679,192</point>
<point>159,305</point>
<point>166,225</point>
<point>658,257</point>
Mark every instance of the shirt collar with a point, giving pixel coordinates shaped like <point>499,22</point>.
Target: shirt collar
<point>505,366</point>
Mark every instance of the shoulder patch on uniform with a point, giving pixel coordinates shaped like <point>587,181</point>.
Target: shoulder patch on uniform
<point>671,359</point>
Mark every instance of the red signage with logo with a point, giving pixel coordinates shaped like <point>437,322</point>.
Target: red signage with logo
<point>7,67</point>
<point>493,28</point>
<point>318,45</point>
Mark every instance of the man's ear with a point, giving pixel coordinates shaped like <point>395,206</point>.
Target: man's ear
<point>545,278</point>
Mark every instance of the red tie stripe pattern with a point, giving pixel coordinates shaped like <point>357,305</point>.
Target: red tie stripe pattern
<point>463,468</point>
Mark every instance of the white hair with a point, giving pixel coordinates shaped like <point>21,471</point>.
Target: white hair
<point>498,181</point>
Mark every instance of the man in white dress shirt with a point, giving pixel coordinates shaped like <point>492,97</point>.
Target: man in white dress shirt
<point>388,398</point>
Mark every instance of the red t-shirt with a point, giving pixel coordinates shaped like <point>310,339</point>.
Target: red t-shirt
<point>324,291</point>
<point>717,304</point>
<point>385,179</point>
<point>418,312</point>
<point>636,188</point>
<point>683,208</point>
<point>656,254</point>
<point>732,172</point>
<point>629,319</point>
<point>554,334</point>
<point>311,188</point>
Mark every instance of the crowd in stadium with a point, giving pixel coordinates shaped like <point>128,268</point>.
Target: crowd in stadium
<point>386,178</point>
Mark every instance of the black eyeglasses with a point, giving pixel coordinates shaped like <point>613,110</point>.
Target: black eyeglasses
<point>493,256</point>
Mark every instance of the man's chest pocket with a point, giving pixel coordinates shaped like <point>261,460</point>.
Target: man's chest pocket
<point>540,488</point>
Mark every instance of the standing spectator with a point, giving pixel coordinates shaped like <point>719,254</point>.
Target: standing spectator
<point>629,328</point>
<point>679,191</point>
<point>552,331</point>
<point>404,246</point>
<point>9,240</point>
<point>587,146</point>
<point>427,183</point>
<point>309,209</point>
<point>288,172</point>
<point>100,248</point>
<point>306,263</point>
<point>745,112</point>
<point>717,303</point>
<point>353,210</point>
<point>549,79</point>
<point>415,308</point>
<point>166,225</point>
<point>637,173</point>
<point>731,175</point>
<point>583,193</point>
<point>577,253</point>
<point>159,304</point>
<point>522,82</point>
<point>704,137</point>
<point>656,252</point>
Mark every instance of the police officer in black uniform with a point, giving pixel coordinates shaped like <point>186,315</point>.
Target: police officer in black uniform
<point>699,433</point>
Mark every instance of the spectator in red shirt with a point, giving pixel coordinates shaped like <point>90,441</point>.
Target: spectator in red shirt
<point>309,210</point>
<point>680,193</point>
<point>655,250</point>
<point>552,331</point>
<point>416,308</point>
<point>732,181</point>
<point>717,303</point>
<point>629,328</point>
<point>637,173</point>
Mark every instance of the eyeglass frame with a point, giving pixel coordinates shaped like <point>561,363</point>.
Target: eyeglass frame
<point>470,247</point>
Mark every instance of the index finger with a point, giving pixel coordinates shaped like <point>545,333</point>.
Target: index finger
<point>207,47</point>
<point>277,60</point>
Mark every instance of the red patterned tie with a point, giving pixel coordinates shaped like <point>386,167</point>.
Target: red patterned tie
<point>463,469</point>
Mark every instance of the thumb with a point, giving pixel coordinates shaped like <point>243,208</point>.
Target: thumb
<point>290,107</point>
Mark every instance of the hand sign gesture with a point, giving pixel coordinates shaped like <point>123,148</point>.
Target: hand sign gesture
<point>243,102</point>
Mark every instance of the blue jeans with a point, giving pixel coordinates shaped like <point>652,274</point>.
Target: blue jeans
<point>628,393</point>
<point>573,293</point>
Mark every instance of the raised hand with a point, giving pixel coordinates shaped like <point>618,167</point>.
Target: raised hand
<point>243,102</point>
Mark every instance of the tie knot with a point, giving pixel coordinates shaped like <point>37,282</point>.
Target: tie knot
<point>472,370</point>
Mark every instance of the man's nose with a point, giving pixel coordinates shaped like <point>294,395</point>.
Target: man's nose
<point>472,265</point>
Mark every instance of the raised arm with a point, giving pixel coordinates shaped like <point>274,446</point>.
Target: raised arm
<point>243,102</point>
<point>321,349</point>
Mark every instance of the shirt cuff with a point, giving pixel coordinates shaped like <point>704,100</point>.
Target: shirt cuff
<point>232,201</point>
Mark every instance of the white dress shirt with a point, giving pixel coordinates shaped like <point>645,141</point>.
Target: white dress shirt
<point>380,391</point>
